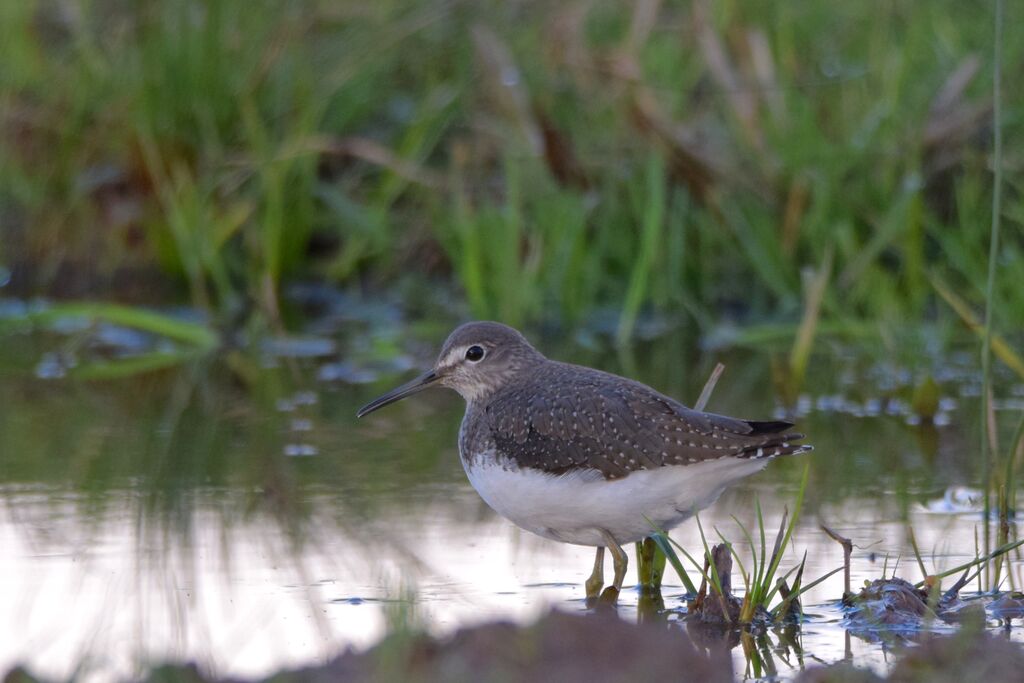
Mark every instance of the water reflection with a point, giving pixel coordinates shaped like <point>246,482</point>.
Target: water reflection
<point>243,598</point>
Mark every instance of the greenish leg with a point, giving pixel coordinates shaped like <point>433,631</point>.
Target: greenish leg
<point>619,558</point>
<point>596,580</point>
<point>650,564</point>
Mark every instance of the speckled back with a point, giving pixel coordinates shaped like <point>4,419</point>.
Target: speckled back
<point>558,417</point>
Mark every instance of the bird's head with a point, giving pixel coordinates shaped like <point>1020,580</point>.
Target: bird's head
<point>476,359</point>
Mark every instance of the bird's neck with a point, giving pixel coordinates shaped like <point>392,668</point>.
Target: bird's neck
<point>478,394</point>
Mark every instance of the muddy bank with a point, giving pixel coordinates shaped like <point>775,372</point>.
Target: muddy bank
<point>560,647</point>
<point>970,656</point>
<point>603,647</point>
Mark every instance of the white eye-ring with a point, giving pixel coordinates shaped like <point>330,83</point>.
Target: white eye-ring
<point>475,353</point>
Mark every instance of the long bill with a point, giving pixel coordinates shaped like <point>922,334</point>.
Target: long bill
<point>422,382</point>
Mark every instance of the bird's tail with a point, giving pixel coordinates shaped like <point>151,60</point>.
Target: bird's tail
<point>776,440</point>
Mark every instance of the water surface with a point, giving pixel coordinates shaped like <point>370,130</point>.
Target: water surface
<point>232,511</point>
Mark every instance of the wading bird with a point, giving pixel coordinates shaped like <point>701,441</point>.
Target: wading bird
<point>582,456</point>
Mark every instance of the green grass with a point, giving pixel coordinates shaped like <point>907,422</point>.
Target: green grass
<point>550,163</point>
<point>763,582</point>
<point>988,429</point>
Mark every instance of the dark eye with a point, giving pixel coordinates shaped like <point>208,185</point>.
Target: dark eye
<point>474,353</point>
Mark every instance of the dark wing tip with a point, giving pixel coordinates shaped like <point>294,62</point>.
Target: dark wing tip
<point>769,426</point>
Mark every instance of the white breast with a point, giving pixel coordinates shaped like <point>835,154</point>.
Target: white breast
<point>573,507</point>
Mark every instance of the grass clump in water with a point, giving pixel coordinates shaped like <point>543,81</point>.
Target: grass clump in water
<point>767,597</point>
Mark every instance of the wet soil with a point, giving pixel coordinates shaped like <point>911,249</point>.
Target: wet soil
<point>602,647</point>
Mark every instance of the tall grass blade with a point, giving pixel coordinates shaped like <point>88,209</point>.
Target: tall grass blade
<point>762,564</point>
<point>662,541</point>
<point>783,540</point>
<point>709,387</point>
<point>787,601</point>
<point>1001,550</point>
<point>735,556</point>
<point>987,436</point>
<point>812,584</point>
<point>999,346</point>
<point>800,354</point>
<point>716,579</point>
<point>653,218</point>
<point>917,552</point>
<point>747,609</point>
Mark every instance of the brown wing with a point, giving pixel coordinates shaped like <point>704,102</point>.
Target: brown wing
<point>569,417</point>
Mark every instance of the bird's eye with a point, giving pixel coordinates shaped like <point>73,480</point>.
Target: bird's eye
<point>474,353</point>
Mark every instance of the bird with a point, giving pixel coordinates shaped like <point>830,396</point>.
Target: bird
<point>582,456</point>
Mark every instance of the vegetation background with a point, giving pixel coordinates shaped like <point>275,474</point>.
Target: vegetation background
<point>544,162</point>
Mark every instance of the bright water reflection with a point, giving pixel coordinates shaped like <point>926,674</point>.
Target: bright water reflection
<point>246,600</point>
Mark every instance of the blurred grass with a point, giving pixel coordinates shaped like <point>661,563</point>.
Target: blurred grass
<point>552,160</point>
<point>183,331</point>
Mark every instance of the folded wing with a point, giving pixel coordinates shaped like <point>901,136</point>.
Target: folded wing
<point>572,418</point>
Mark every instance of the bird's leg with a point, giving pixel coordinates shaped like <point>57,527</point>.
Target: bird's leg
<point>619,561</point>
<point>596,580</point>
<point>619,558</point>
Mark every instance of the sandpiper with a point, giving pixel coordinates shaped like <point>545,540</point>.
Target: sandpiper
<point>582,456</point>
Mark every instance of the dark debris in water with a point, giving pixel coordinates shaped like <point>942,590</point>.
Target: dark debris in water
<point>887,604</point>
<point>711,606</point>
<point>893,605</point>
<point>721,608</point>
<point>1007,606</point>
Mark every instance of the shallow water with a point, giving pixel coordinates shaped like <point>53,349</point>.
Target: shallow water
<point>233,511</point>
